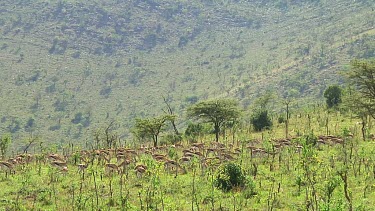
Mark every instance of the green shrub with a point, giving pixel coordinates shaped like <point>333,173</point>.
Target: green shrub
<point>5,142</point>
<point>249,188</point>
<point>261,120</point>
<point>193,131</point>
<point>310,139</point>
<point>228,176</point>
<point>281,119</point>
<point>172,138</point>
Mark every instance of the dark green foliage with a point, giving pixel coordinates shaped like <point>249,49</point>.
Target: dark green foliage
<point>229,176</point>
<point>183,41</point>
<point>51,88</point>
<point>106,91</point>
<point>14,126</point>
<point>54,127</point>
<point>281,119</point>
<point>77,118</point>
<point>309,139</point>
<point>362,76</point>
<point>250,186</point>
<point>149,42</point>
<point>30,125</point>
<point>60,105</point>
<point>80,118</point>
<point>261,120</point>
<point>172,138</point>
<point>193,131</point>
<point>192,99</point>
<point>333,96</point>
<point>4,144</point>
<point>58,47</point>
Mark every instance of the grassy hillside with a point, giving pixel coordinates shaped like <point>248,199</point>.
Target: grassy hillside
<point>70,67</point>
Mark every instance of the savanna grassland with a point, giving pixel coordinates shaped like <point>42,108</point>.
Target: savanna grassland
<point>311,170</point>
<point>69,68</point>
<point>88,89</point>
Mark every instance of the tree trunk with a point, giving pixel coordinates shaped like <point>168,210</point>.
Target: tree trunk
<point>155,138</point>
<point>170,111</point>
<point>287,120</point>
<point>217,131</point>
<point>363,129</point>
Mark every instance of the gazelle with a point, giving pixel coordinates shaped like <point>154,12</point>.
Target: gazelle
<point>124,164</point>
<point>111,167</point>
<point>82,167</point>
<point>140,170</point>
<point>59,164</point>
<point>55,157</point>
<point>7,165</point>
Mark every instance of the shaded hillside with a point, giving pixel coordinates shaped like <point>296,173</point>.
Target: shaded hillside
<point>70,67</point>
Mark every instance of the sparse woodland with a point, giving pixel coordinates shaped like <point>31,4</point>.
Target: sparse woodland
<point>324,163</point>
<point>187,105</point>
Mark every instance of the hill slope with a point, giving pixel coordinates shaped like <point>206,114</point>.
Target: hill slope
<point>70,67</point>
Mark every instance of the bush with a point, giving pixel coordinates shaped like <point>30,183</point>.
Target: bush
<point>172,138</point>
<point>333,96</point>
<point>249,188</point>
<point>261,120</point>
<point>281,119</point>
<point>5,142</point>
<point>193,131</point>
<point>228,176</point>
<point>310,139</point>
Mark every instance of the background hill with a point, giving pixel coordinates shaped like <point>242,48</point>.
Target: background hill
<point>70,67</point>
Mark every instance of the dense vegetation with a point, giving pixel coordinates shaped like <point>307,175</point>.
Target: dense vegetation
<point>70,68</point>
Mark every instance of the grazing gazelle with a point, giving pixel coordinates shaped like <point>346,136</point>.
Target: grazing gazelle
<point>140,170</point>
<point>111,167</point>
<point>82,167</point>
<point>7,165</point>
<point>59,164</point>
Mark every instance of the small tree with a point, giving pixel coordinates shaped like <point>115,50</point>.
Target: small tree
<point>362,76</point>
<point>218,112</point>
<point>260,120</point>
<point>107,136</point>
<point>353,100</point>
<point>145,128</point>
<point>287,102</point>
<point>333,96</point>
<point>4,144</point>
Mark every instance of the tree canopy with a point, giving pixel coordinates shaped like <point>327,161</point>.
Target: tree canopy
<point>145,128</point>
<point>217,111</point>
<point>362,77</point>
<point>333,96</point>
<point>261,120</point>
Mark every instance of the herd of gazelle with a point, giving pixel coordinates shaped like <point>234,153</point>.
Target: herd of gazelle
<point>120,159</point>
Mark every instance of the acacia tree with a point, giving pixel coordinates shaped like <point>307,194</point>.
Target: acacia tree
<point>362,76</point>
<point>217,111</point>
<point>353,101</point>
<point>152,127</point>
